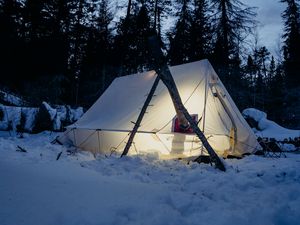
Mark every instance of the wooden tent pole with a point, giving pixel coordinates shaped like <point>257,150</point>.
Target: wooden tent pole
<point>140,117</point>
<point>162,69</point>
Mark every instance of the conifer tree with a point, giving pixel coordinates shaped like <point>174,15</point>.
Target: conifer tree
<point>277,94</point>
<point>272,71</point>
<point>34,19</point>
<point>97,66</point>
<point>10,15</point>
<point>291,46</point>
<point>250,75</point>
<point>180,39</point>
<point>261,56</point>
<point>11,42</point>
<point>201,32</point>
<point>158,11</point>
<point>291,62</point>
<point>131,41</point>
<point>232,21</point>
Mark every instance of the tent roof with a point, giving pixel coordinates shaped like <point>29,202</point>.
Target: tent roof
<point>121,103</point>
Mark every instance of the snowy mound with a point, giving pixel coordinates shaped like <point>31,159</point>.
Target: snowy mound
<point>267,128</point>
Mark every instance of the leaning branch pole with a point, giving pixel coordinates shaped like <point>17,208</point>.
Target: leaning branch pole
<point>162,69</point>
<point>140,117</point>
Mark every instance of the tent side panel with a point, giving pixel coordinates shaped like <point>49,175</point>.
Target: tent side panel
<point>246,139</point>
<point>120,103</point>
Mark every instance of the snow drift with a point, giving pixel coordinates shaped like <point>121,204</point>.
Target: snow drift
<point>266,128</point>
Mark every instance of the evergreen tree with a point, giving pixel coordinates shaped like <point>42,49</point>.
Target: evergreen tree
<point>232,21</point>
<point>180,39</point>
<point>250,75</point>
<point>97,66</point>
<point>131,41</point>
<point>34,19</point>
<point>143,26</point>
<point>277,105</point>
<point>250,68</point>
<point>159,10</point>
<point>201,32</point>
<point>272,71</point>
<point>10,19</point>
<point>78,36</point>
<point>238,84</point>
<point>11,45</point>
<point>261,57</point>
<point>291,46</point>
<point>47,25</point>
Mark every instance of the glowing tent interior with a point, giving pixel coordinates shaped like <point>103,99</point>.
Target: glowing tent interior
<point>105,127</point>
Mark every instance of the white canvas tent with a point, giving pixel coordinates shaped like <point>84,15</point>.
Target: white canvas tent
<point>106,125</point>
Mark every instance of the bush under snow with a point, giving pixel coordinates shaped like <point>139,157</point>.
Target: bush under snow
<point>11,99</point>
<point>28,119</point>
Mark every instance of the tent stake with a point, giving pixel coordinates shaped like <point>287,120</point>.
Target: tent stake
<point>140,117</point>
<point>165,75</point>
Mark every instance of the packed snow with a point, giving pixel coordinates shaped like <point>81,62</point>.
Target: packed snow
<point>37,189</point>
<point>267,128</point>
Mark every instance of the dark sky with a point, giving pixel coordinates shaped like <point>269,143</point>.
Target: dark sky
<point>270,26</point>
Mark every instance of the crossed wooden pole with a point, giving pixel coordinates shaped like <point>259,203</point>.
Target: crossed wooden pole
<point>164,74</point>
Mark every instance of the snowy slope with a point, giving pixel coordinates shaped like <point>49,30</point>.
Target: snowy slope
<point>35,189</point>
<point>268,128</point>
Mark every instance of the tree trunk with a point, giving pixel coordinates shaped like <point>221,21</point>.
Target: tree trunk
<point>128,9</point>
<point>162,69</point>
<point>155,14</point>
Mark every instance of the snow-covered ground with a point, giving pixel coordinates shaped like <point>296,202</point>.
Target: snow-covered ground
<point>35,189</point>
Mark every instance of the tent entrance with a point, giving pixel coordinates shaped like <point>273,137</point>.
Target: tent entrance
<point>176,128</point>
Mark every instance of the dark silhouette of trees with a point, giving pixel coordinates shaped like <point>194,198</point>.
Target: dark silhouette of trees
<point>291,46</point>
<point>232,21</point>
<point>68,52</point>
<point>201,31</point>
<point>180,38</point>
<point>291,62</point>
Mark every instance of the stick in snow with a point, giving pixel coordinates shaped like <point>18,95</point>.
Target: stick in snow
<point>20,149</point>
<point>58,156</point>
